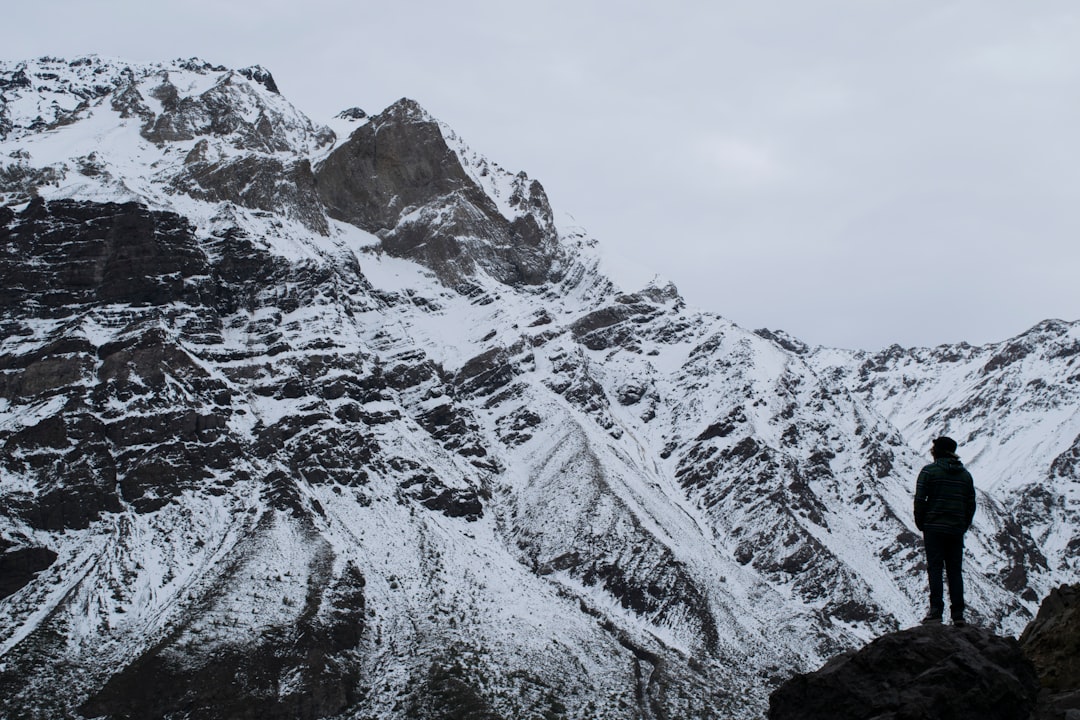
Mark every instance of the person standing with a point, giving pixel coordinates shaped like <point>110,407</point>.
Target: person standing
<point>944,508</point>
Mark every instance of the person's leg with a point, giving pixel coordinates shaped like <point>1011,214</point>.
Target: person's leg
<point>954,559</point>
<point>935,562</point>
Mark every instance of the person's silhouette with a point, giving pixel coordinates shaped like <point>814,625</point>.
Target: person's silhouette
<point>944,507</point>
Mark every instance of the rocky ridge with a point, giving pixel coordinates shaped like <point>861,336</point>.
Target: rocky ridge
<point>312,422</point>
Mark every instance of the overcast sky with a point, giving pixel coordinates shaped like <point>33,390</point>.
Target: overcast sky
<point>856,172</point>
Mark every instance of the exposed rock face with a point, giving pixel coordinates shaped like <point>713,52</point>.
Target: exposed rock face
<point>68,254</point>
<point>398,178</point>
<point>259,182</point>
<point>1052,641</point>
<point>237,123</point>
<point>944,672</point>
<point>260,75</point>
<point>925,673</point>
<point>231,108</point>
<point>19,566</point>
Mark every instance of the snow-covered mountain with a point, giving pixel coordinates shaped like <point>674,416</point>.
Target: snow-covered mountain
<point>341,421</point>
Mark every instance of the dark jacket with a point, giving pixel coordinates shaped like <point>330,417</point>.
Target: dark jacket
<point>944,497</point>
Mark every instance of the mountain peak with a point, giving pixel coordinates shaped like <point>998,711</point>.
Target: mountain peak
<point>352,114</point>
<point>195,64</point>
<point>261,75</point>
<point>406,110</point>
<point>408,179</point>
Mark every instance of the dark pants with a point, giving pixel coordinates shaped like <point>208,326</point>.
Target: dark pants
<point>945,551</point>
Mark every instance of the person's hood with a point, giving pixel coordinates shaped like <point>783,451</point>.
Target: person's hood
<point>950,464</point>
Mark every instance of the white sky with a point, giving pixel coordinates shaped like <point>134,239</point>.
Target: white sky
<point>856,172</point>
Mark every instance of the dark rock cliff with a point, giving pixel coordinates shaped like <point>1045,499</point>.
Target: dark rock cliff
<point>397,178</point>
<point>1052,641</point>
<point>941,672</point>
<point>932,672</point>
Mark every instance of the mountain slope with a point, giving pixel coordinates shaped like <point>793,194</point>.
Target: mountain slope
<point>301,422</point>
<point>1013,407</point>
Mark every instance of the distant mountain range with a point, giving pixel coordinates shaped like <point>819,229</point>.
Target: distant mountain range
<point>306,421</point>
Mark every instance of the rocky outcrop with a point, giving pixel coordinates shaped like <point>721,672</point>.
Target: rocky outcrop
<point>397,177</point>
<point>932,672</point>
<point>925,673</point>
<point>259,182</point>
<point>64,254</point>
<point>18,566</point>
<point>230,109</point>
<point>1052,641</point>
<point>261,75</point>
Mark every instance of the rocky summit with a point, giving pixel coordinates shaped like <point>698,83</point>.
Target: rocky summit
<point>939,672</point>
<point>344,420</point>
<point>928,672</point>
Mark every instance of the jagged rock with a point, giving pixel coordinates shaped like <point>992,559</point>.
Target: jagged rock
<point>370,185</point>
<point>784,340</point>
<point>433,494</point>
<point>630,393</point>
<point>411,189</point>
<point>128,101</point>
<point>14,79</point>
<point>258,182</point>
<point>218,112</point>
<point>21,183</point>
<point>1052,642</point>
<point>65,252</point>
<point>925,673</point>
<point>613,325</point>
<point>1052,639</point>
<point>353,113</point>
<point>262,76</point>
<point>485,373</point>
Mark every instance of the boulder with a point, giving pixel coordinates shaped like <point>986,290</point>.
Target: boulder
<point>924,673</point>
<point>1052,642</point>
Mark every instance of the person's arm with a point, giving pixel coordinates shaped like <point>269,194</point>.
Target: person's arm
<point>969,500</point>
<point>920,500</point>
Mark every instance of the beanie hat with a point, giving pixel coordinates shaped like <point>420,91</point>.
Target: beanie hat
<point>943,447</point>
